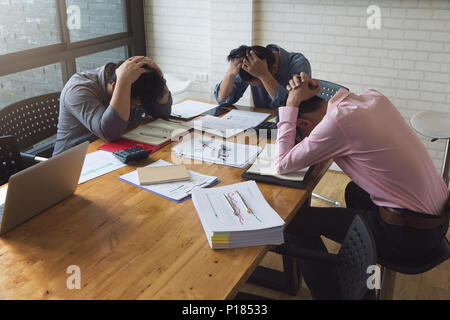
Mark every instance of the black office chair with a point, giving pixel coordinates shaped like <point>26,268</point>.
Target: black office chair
<point>357,253</point>
<point>392,264</point>
<point>10,159</point>
<point>33,122</point>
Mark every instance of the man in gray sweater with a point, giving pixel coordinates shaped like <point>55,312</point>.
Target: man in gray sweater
<point>101,103</point>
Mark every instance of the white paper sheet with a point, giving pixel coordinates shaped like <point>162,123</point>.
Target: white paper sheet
<point>265,165</point>
<point>190,108</point>
<point>217,215</point>
<point>97,164</point>
<point>233,123</point>
<point>173,190</point>
<point>3,192</point>
<point>217,151</point>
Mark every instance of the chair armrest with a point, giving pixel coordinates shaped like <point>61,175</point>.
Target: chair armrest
<point>305,254</point>
<point>44,149</point>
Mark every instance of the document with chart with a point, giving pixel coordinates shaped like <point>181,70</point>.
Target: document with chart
<point>237,216</point>
<point>174,191</point>
<point>217,151</point>
<point>97,164</point>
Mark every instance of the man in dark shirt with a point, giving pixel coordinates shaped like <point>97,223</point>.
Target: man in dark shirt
<point>266,69</point>
<point>101,103</point>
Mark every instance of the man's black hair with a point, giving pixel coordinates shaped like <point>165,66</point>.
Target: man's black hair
<point>310,105</point>
<point>244,51</point>
<point>148,88</point>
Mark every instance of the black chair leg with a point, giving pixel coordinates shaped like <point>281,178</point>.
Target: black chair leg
<point>287,281</point>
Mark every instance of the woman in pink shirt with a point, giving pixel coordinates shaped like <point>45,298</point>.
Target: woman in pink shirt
<point>395,186</point>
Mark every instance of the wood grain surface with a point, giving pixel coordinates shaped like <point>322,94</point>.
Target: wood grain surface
<point>132,244</point>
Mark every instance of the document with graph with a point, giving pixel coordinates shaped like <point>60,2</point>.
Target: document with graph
<point>237,216</point>
<point>217,151</point>
<point>177,191</point>
<point>97,164</point>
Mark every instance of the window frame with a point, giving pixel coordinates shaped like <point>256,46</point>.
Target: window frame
<point>66,52</point>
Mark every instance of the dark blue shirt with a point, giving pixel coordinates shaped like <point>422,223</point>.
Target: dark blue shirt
<point>290,63</point>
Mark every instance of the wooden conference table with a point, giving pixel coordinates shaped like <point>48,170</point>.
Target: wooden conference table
<point>132,244</point>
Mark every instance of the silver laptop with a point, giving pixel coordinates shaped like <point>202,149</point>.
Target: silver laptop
<point>37,188</point>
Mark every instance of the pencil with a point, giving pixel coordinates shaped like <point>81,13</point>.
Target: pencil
<point>245,204</point>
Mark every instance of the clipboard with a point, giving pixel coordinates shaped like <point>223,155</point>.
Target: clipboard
<point>277,181</point>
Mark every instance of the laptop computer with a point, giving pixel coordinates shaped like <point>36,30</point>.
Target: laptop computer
<point>33,190</point>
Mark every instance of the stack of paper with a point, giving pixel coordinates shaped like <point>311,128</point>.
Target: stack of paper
<point>174,191</point>
<point>156,132</point>
<point>237,216</point>
<point>265,165</point>
<point>217,151</point>
<point>229,125</point>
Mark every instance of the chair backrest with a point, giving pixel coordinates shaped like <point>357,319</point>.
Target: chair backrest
<point>10,160</point>
<point>31,120</point>
<point>357,253</point>
<point>329,89</point>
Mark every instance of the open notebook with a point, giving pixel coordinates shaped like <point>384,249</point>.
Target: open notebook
<point>156,132</point>
<point>263,170</point>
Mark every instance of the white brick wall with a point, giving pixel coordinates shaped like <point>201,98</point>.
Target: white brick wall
<point>408,59</point>
<point>188,37</point>
<point>178,39</point>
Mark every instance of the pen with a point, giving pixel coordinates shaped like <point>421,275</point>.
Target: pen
<point>179,187</point>
<point>231,206</point>
<point>204,144</point>
<point>210,203</point>
<point>249,211</point>
<point>152,135</point>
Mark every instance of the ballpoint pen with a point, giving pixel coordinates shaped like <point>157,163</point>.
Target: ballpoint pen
<point>231,206</point>
<point>152,135</point>
<point>204,183</point>
<point>204,144</point>
<point>247,208</point>
<point>179,187</point>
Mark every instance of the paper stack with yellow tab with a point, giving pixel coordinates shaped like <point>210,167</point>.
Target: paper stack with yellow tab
<point>237,216</point>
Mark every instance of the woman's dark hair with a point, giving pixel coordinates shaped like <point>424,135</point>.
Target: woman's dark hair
<point>244,51</point>
<point>148,88</point>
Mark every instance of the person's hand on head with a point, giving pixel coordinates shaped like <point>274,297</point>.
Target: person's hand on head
<point>302,88</point>
<point>130,70</point>
<point>255,66</point>
<point>153,65</point>
<point>235,66</point>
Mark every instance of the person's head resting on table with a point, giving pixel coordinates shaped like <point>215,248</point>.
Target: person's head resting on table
<point>254,63</point>
<point>147,82</point>
<point>303,94</point>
